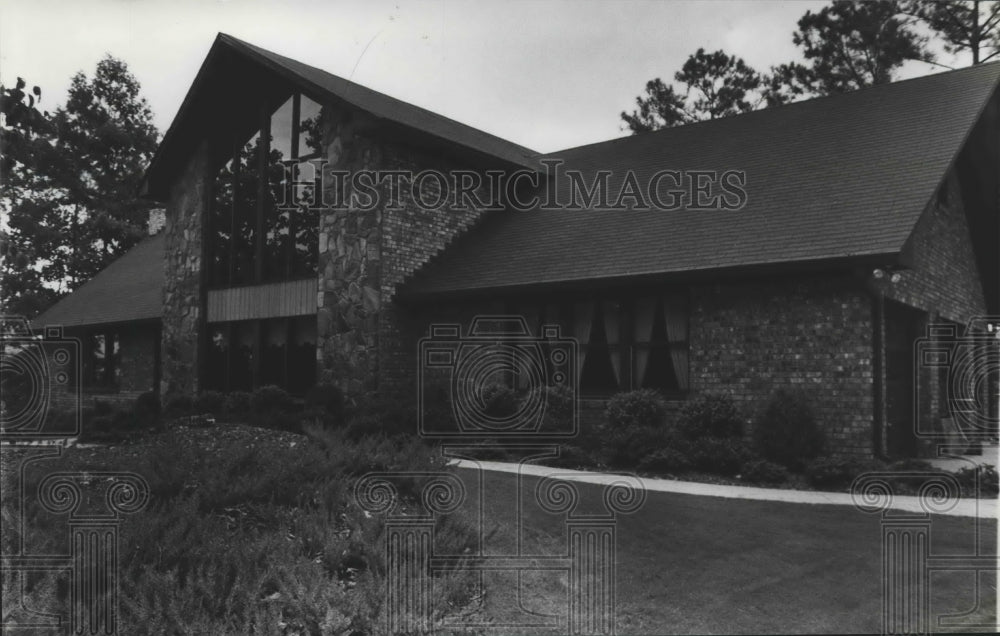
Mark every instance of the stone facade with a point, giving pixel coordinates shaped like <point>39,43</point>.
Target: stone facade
<point>183,287</point>
<point>363,336</point>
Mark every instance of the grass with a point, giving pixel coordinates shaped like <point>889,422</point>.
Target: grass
<point>689,564</point>
<point>227,536</point>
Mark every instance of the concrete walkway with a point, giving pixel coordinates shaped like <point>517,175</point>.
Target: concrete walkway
<point>981,508</point>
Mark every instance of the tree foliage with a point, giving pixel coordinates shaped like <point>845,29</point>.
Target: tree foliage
<point>970,25</point>
<point>850,45</point>
<point>70,184</point>
<point>846,46</point>
<point>712,85</point>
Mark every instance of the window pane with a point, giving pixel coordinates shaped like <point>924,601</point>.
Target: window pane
<point>310,133</point>
<point>246,213</point>
<point>241,354</point>
<point>302,354</point>
<point>98,361</point>
<point>222,219</point>
<point>276,218</point>
<point>218,355</point>
<point>281,131</point>
<point>274,338</point>
<point>305,228</point>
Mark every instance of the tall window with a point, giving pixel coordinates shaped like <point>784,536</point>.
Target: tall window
<point>258,232</point>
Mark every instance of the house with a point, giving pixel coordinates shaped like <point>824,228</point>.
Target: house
<point>808,245</point>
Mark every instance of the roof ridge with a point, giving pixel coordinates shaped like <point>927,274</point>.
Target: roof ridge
<point>528,152</point>
<point>786,105</point>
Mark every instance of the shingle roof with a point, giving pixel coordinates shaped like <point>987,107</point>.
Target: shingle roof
<point>829,178</point>
<point>325,86</point>
<point>129,289</point>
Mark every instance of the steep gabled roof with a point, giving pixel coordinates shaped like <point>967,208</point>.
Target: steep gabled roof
<point>323,87</point>
<point>129,289</point>
<point>829,179</point>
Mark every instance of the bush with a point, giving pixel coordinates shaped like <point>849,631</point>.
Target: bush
<point>833,472</point>
<point>500,401</point>
<point>571,456</point>
<point>146,410</point>
<point>329,399</point>
<point>238,403</point>
<point>710,415</point>
<point>179,406</point>
<point>376,415</point>
<point>103,408</point>
<point>210,402</point>
<point>765,472</point>
<point>641,408</point>
<point>982,479</point>
<point>665,461</point>
<point>271,398</point>
<point>722,456</point>
<point>559,403</point>
<point>786,431</point>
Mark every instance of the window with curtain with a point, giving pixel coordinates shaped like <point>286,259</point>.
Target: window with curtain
<point>660,343</point>
<point>624,343</point>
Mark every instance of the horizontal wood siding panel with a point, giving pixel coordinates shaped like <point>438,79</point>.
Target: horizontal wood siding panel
<point>274,300</point>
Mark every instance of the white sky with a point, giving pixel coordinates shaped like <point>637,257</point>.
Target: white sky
<point>546,74</point>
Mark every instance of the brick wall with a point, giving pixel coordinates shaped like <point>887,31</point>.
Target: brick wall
<point>943,279</point>
<point>750,338</point>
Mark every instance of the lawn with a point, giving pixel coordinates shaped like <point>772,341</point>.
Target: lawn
<point>690,564</point>
<point>224,545</point>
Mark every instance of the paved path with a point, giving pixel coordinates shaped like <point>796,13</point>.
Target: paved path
<point>982,508</point>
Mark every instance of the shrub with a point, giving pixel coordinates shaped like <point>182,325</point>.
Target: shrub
<point>559,403</point>
<point>634,425</point>
<point>179,406</point>
<point>210,402</point>
<point>982,479</point>
<point>911,464</point>
<point>722,456</point>
<point>570,456</point>
<point>710,415</point>
<point>329,398</point>
<point>147,403</point>
<point>762,471</point>
<point>500,401</point>
<point>644,408</point>
<point>238,403</point>
<point>833,472</point>
<point>377,414</point>
<point>665,461</point>
<point>271,398</point>
<point>786,431</point>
